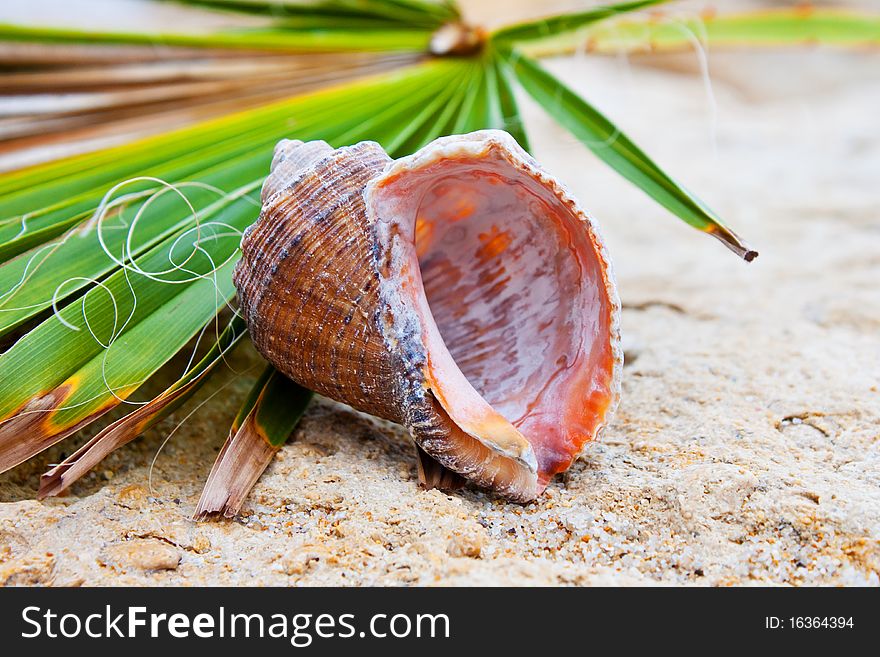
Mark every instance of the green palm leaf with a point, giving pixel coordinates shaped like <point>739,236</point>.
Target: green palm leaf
<point>441,118</point>
<point>510,119</point>
<point>36,280</point>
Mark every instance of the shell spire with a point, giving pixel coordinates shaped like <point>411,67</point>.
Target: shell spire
<point>460,291</point>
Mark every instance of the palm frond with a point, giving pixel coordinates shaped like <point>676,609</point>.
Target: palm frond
<point>510,119</point>
<point>130,426</point>
<point>566,23</point>
<point>267,417</point>
<point>440,121</point>
<point>105,344</point>
<point>323,36</point>
<point>58,106</point>
<point>406,12</point>
<point>796,26</point>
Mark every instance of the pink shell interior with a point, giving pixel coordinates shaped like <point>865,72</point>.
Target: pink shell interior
<point>517,310</point>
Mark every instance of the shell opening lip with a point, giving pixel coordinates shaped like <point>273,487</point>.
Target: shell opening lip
<point>508,285</point>
<point>525,457</point>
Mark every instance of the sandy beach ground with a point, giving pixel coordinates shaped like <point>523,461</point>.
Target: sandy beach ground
<point>746,449</point>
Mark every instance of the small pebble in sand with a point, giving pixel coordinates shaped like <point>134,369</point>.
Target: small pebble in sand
<point>149,555</point>
<point>465,545</point>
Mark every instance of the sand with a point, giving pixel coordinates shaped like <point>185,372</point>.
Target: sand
<point>746,449</point>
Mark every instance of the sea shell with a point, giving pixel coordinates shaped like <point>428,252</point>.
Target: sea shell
<point>460,291</point>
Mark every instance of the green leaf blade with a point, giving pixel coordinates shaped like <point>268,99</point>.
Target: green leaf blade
<point>129,427</point>
<point>33,281</point>
<point>184,152</point>
<point>565,23</point>
<point>511,119</point>
<point>110,342</point>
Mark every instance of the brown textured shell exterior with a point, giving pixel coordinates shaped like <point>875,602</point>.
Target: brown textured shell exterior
<point>306,280</point>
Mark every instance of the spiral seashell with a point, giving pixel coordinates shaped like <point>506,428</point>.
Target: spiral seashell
<point>459,291</point>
